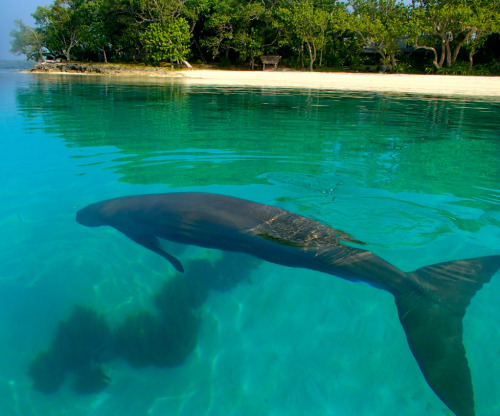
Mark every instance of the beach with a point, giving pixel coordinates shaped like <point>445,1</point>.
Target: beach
<point>441,85</point>
<point>486,87</point>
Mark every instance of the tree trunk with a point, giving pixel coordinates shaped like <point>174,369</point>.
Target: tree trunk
<point>441,59</point>
<point>382,56</point>
<point>459,45</point>
<point>435,61</point>
<point>312,55</point>
<point>302,55</point>
<point>443,51</point>
<point>447,49</point>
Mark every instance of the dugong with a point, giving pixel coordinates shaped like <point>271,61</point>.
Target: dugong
<point>431,301</point>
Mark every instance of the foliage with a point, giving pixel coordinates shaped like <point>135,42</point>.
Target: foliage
<point>166,42</point>
<point>60,28</point>
<point>304,25</point>
<point>304,32</point>
<point>445,26</point>
<point>235,26</point>
<point>463,68</point>
<point>250,35</point>
<point>382,24</point>
<point>27,41</point>
<point>92,28</point>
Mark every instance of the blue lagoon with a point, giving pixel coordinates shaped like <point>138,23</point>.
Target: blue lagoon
<point>416,178</point>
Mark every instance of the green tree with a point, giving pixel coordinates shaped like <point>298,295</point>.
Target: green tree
<point>219,26</point>
<point>485,20</point>
<point>304,25</point>
<point>27,41</point>
<point>249,36</point>
<point>444,26</point>
<point>150,27</point>
<point>155,11</point>
<point>382,24</point>
<point>167,41</point>
<point>122,29</point>
<point>244,27</point>
<point>92,22</point>
<point>58,22</point>
<point>316,31</point>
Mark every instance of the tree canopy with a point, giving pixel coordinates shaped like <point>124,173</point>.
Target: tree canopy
<point>434,35</point>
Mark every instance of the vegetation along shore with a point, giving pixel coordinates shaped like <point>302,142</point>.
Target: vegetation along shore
<point>422,36</point>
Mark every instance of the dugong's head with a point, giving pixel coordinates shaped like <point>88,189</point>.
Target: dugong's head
<point>91,216</point>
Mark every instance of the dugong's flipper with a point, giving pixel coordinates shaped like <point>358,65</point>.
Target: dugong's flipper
<point>152,243</point>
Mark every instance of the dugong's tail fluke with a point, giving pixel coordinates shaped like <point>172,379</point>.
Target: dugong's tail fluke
<point>432,320</point>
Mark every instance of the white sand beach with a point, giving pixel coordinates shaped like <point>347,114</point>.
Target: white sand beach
<point>440,85</point>
<point>483,87</point>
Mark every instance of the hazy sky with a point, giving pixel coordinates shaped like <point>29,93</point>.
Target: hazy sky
<point>11,10</point>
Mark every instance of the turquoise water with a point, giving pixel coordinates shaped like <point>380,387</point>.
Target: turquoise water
<point>417,178</point>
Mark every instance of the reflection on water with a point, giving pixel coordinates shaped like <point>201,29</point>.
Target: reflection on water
<point>414,177</point>
<point>181,135</point>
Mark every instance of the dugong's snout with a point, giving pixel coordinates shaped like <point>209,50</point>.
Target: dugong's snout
<point>89,216</point>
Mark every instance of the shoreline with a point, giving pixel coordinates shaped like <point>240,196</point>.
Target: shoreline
<point>486,87</point>
<point>438,85</point>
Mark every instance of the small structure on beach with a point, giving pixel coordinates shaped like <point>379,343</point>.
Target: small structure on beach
<point>270,60</point>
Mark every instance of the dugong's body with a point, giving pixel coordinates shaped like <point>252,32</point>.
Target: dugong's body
<point>431,301</point>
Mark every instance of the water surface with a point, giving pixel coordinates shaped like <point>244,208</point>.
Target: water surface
<point>416,178</point>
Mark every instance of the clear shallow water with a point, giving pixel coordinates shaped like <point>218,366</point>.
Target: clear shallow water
<point>416,178</point>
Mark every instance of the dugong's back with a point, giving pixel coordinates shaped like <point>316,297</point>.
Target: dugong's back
<point>192,209</point>
<point>252,217</point>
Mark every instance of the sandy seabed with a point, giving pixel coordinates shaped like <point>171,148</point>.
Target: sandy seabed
<point>441,85</point>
